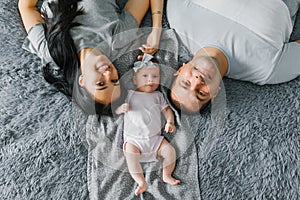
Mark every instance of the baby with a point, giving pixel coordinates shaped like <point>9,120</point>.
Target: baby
<point>143,141</point>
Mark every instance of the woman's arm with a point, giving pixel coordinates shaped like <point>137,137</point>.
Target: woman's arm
<point>157,7</point>
<point>138,9</point>
<point>153,40</point>
<point>29,13</point>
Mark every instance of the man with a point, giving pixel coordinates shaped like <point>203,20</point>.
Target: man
<point>244,40</point>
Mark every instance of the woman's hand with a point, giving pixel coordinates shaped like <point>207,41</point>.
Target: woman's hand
<point>152,44</point>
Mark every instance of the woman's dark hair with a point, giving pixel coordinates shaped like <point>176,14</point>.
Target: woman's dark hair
<point>60,43</point>
<point>64,53</point>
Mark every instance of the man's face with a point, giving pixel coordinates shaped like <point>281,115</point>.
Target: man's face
<point>195,85</point>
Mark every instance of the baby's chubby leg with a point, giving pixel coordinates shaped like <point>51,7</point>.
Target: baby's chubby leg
<point>169,155</point>
<point>133,155</point>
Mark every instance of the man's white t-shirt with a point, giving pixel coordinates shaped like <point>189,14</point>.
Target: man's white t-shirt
<point>252,34</point>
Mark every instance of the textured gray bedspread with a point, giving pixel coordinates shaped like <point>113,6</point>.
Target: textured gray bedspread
<point>44,151</point>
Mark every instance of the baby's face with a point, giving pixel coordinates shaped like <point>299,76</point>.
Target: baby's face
<point>147,79</point>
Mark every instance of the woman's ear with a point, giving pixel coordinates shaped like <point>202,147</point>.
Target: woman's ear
<point>80,81</point>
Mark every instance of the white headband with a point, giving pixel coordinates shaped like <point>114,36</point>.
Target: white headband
<point>146,63</point>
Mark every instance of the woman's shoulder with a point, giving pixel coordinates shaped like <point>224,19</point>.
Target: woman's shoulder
<point>36,43</point>
<point>36,35</point>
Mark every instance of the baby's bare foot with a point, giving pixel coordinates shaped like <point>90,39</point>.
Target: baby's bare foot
<point>170,180</point>
<point>141,188</point>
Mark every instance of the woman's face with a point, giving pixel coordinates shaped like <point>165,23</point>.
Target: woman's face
<point>195,85</point>
<point>147,79</point>
<point>100,78</point>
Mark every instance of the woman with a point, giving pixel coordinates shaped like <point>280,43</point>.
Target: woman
<point>66,37</point>
<point>244,40</point>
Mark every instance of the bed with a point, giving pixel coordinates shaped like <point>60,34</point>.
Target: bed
<point>45,149</point>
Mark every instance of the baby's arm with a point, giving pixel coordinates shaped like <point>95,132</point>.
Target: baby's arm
<point>122,108</point>
<point>169,116</point>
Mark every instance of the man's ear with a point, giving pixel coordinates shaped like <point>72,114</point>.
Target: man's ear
<point>216,93</point>
<point>80,81</point>
<point>179,70</point>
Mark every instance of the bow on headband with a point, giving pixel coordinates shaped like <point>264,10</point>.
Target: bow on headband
<point>146,63</point>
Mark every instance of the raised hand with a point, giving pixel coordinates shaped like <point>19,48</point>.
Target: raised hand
<point>152,43</point>
<point>124,108</point>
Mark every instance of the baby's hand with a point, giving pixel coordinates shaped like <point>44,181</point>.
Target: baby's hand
<point>170,127</point>
<point>124,108</point>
